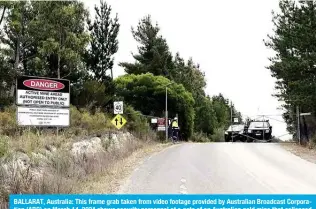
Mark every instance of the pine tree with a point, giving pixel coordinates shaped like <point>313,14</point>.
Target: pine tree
<point>104,42</point>
<point>153,51</point>
<point>294,63</point>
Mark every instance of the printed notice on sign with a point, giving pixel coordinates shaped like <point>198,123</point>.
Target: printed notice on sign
<point>42,98</point>
<point>33,116</point>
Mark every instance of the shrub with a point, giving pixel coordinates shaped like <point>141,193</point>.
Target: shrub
<point>137,123</point>
<point>8,121</point>
<point>75,116</point>
<point>199,137</point>
<point>218,135</point>
<point>312,142</point>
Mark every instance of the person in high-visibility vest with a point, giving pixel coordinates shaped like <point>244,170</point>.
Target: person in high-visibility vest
<point>175,128</point>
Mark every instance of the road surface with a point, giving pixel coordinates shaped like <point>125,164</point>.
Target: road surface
<point>234,168</point>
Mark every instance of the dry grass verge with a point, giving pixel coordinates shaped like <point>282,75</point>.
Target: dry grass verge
<point>35,161</point>
<point>110,181</point>
<point>303,152</point>
<point>97,173</point>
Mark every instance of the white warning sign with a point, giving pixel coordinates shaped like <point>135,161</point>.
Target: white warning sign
<point>32,116</point>
<point>42,98</point>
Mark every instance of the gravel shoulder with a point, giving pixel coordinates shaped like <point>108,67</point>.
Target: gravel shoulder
<point>302,152</point>
<point>110,181</point>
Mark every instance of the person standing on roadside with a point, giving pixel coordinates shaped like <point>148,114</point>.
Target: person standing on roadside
<point>175,128</point>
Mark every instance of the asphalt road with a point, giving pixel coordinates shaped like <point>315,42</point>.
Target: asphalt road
<point>220,168</point>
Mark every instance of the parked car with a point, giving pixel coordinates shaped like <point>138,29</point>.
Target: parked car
<point>261,130</point>
<point>236,132</point>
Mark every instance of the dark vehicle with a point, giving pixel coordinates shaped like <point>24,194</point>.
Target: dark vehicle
<point>235,133</point>
<point>261,130</point>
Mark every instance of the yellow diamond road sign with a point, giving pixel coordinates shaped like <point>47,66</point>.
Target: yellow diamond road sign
<point>118,121</point>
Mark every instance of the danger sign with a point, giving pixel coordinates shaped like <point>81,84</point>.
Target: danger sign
<point>43,84</point>
<point>43,101</point>
<point>43,92</point>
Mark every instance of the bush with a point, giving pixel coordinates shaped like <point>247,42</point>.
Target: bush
<point>199,137</point>
<point>218,135</point>
<point>312,143</point>
<point>83,122</point>
<point>137,123</point>
<point>8,125</point>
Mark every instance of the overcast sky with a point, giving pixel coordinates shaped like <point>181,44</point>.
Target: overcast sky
<point>224,37</point>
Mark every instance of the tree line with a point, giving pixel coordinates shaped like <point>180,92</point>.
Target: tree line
<point>294,63</point>
<point>59,39</point>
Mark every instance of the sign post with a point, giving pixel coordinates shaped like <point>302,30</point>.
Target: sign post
<point>43,102</point>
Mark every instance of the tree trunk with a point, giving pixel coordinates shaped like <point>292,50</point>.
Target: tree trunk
<point>58,66</point>
<point>58,54</point>
<point>16,65</point>
<point>2,16</point>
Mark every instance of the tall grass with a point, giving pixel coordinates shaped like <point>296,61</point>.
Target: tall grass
<point>45,152</point>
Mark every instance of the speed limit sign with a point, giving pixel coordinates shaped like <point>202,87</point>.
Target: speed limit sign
<point>118,107</point>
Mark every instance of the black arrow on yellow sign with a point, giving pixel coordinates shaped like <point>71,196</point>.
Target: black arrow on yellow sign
<point>116,120</point>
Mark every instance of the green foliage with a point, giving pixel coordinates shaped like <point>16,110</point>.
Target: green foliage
<point>222,111</point>
<point>137,123</point>
<point>154,57</point>
<point>6,82</point>
<point>199,137</point>
<point>4,6</point>
<point>104,43</point>
<point>50,39</point>
<point>63,38</point>
<point>92,95</point>
<point>147,93</point>
<point>294,62</point>
<point>205,120</point>
<point>218,135</point>
<point>47,38</point>
<point>153,53</point>
<point>189,75</point>
<point>83,121</point>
